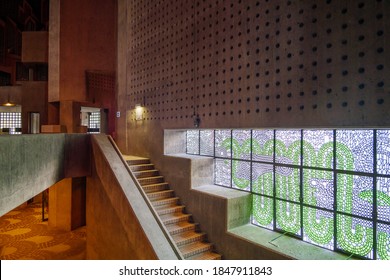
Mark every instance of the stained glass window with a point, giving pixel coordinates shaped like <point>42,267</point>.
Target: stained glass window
<point>222,174</point>
<point>318,188</point>
<point>193,142</point>
<point>262,178</point>
<point>318,148</point>
<point>383,242</point>
<point>241,174</point>
<point>207,142</point>
<point>263,211</point>
<point>355,235</point>
<point>382,198</point>
<point>383,152</point>
<point>354,195</point>
<point>263,145</point>
<point>324,186</point>
<point>318,227</point>
<point>354,149</point>
<point>241,144</point>
<point>223,143</point>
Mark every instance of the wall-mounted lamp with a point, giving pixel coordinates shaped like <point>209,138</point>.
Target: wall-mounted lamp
<point>138,112</point>
<point>196,121</point>
<point>8,103</point>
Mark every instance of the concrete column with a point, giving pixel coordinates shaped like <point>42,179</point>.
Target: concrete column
<point>60,204</point>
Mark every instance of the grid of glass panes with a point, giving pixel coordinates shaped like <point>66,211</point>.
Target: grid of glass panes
<point>11,122</point>
<point>94,122</point>
<point>331,188</point>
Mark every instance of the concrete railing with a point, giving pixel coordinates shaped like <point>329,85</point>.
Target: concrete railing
<point>29,164</point>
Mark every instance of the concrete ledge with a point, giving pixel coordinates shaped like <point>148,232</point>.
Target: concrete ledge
<point>283,245</point>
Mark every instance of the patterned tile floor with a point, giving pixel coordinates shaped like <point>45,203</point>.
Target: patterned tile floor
<point>23,236</point>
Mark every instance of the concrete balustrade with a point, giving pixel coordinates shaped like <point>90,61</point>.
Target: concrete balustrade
<point>29,164</point>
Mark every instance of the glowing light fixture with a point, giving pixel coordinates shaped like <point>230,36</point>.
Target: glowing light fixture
<point>138,112</point>
<point>8,103</point>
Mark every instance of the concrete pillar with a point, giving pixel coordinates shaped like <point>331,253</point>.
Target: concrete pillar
<point>67,204</point>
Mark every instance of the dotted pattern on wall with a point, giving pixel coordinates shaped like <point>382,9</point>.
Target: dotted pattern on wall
<point>259,63</point>
<point>99,81</point>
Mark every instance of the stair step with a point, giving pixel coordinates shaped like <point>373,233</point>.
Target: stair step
<point>165,209</point>
<point>167,201</point>
<point>153,196</point>
<point>205,256</point>
<point>174,218</point>
<point>155,187</point>
<point>146,173</point>
<point>137,161</point>
<point>185,233</point>
<point>181,227</point>
<point>188,237</point>
<point>141,167</point>
<point>191,249</point>
<point>151,180</point>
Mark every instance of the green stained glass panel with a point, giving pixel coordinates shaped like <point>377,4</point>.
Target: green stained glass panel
<point>354,195</point>
<point>241,174</point>
<point>355,236</point>
<point>262,178</point>
<point>318,148</point>
<point>287,183</point>
<point>318,188</point>
<point>288,147</point>
<point>262,211</point>
<point>382,198</point>
<point>288,217</point>
<point>241,145</point>
<point>263,145</point>
<point>318,227</point>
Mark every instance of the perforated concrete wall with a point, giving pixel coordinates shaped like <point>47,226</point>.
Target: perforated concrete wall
<point>251,64</point>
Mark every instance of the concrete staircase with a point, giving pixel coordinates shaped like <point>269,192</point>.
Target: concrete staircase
<point>191,242</point>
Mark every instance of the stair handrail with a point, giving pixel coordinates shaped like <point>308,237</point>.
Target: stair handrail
<point>147,201</point>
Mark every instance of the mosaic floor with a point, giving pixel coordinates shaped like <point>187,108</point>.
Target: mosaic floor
<point>23,236</point>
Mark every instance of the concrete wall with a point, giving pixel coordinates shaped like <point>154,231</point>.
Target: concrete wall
<point>248,64</point>
<point>30,164</point>
<point>120,224</point>
<point>34,100</point>
<point>82,37</point>
<point>35,47</point>
<point>252,64</point>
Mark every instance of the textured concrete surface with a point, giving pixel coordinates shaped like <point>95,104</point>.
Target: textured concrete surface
<point>30,164</point>
<point>35,46</point>
<point>120,224</point>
